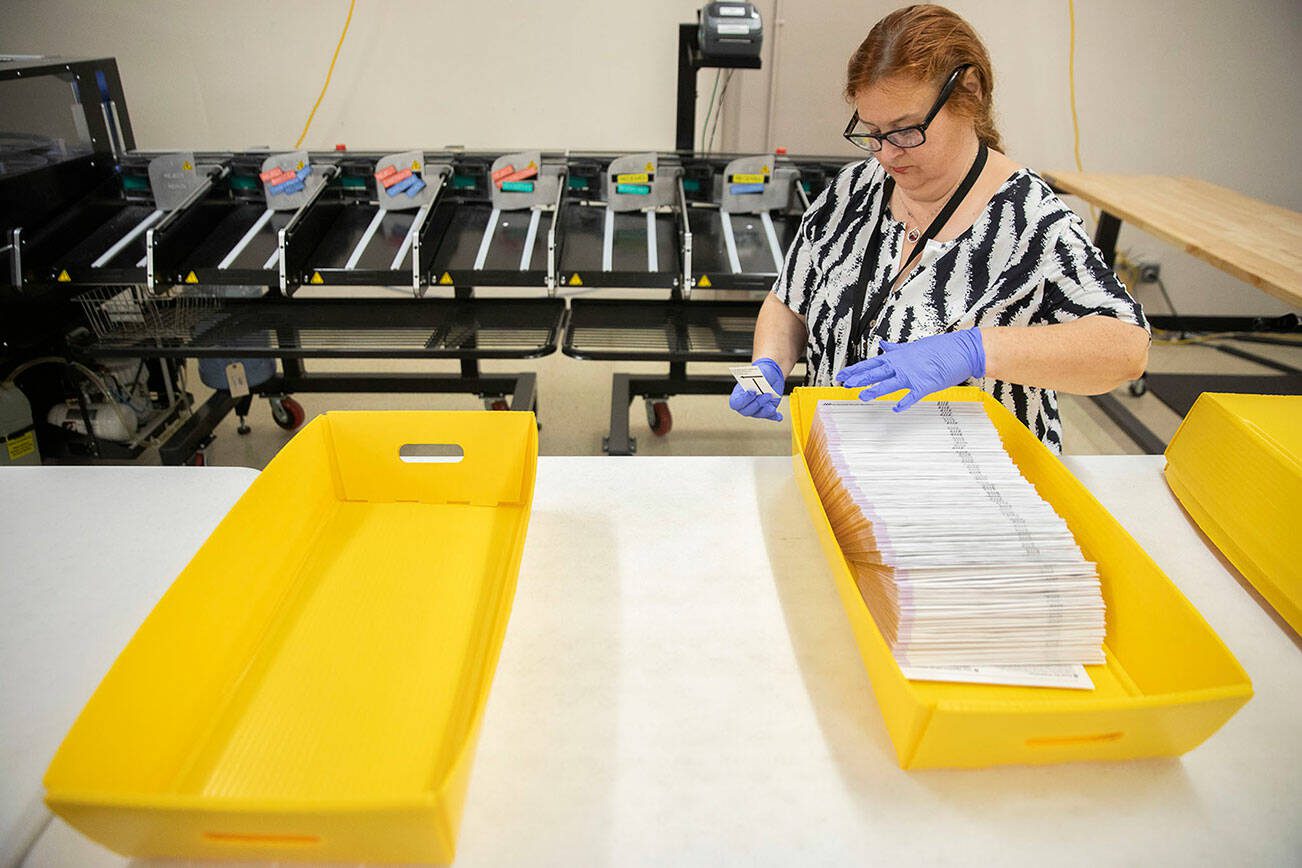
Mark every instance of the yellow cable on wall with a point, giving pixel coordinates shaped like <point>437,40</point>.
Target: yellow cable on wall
<point>1071,80</point>
<point>331,71</point>
<point>1071,86</point>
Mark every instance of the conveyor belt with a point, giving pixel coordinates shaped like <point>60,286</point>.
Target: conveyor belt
<point>241,249</point>
<point>739,251</point>
<point>483,246</point>
<point>608,249</point>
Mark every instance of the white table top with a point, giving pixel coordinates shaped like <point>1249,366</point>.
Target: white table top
<point>676,688</point>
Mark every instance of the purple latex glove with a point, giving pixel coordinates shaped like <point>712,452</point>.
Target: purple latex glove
<point>758,405</point>
<point>922,366</point>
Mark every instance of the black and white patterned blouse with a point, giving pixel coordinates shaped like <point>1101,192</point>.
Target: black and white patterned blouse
<point>1025,261</point>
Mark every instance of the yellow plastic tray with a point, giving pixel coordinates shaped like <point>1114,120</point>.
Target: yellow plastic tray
<point>312,684</point>
<point>1235,465</point>
<point>1168,684</point>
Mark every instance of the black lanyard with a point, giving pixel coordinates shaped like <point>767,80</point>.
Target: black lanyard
<point>866,318</point>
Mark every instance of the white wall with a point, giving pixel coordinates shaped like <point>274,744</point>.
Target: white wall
<point>1163,86</point>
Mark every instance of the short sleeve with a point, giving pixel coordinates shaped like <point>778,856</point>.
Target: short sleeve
<point>1078,283</point>
<point>799,276</point>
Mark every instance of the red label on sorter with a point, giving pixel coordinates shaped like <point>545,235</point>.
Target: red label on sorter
<point>385,172</point>
<point>502,173</point>
<point>526,172</point>
<point>395,178</point>
<point>272,174</point>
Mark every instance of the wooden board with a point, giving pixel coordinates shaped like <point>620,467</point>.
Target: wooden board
<point>1253,240</point>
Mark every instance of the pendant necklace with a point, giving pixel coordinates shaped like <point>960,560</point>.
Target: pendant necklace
<point>912,234</point>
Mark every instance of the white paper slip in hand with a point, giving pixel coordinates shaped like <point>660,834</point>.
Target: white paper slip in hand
<point>752,379</point>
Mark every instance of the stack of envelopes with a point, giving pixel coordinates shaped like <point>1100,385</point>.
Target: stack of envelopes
<point>959,559</point>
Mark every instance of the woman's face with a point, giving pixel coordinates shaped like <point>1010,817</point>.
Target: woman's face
<point>928,169</point>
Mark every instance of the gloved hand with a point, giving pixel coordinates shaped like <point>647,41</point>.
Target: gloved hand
<point>758,404</point>
<point>923,366</point>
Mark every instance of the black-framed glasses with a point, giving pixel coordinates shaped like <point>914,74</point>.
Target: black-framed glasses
<point>904,137</point>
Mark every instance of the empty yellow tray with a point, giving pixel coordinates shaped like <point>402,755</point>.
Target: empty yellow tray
<point>1235,465</point>
<point>312,684</point>
<point>1168,684</point>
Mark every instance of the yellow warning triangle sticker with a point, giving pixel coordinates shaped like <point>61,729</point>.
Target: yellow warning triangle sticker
<point>532,165</point>
<point>415,165</point>
<point>704,282</point>
<point>650,167</point>
<point>764,170</point>
<point>446,279</point>
<point>64,276</point>
<point>185,166</point>
<point>574,280</point>
<point>191,278</point>
<point>316,278</point>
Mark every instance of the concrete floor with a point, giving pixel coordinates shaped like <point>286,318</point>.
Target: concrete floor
<point>574,408</point>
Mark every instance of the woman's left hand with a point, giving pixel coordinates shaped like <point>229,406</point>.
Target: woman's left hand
<point>923,366</point>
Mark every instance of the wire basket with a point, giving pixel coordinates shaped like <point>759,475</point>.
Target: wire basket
<point>116,314</point>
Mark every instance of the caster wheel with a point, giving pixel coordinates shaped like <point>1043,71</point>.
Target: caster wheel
<point>287,412</point>
<point>658,417</point>
<point>1138,387</point>
<point>243,428</point>
<point>197,460</point>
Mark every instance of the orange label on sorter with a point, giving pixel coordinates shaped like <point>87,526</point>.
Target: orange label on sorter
<point>503,172</point>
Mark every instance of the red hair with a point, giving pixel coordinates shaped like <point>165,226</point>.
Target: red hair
<point>926,43</point>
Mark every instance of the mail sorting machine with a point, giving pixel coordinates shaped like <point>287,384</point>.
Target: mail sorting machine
<point>217,225</point>
<point>686,223</point>
<point>160,243</point>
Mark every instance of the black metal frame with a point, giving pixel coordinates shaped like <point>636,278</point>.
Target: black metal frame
<point>690,61</point>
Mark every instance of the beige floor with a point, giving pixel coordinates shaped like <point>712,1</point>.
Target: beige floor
<point>574,408</point>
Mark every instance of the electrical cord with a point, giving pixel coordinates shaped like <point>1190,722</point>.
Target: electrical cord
<point>705,127</point>
<point>329,72</point>
<point>719,111</point>
<point>95,379</point>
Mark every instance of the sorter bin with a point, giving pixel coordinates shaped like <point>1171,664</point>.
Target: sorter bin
<point>1168,684</point>
<point>1235,464</point>
<point>311,686</point>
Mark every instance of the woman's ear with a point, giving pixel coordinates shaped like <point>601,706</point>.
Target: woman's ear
<point>970,81</point>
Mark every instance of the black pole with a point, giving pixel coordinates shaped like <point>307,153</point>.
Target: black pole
<point>684,138</point>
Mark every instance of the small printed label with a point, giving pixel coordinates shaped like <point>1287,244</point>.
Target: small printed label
<point>632,178</point>
<point>237,383</point>
<point>21,446</point>
<point>748,179</point>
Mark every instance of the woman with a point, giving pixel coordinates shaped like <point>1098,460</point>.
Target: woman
<point>939,261</point>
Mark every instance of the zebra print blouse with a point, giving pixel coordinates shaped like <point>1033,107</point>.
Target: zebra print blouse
<point>1025,261</point>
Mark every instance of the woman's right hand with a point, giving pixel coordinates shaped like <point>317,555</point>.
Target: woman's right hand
<point>759,405</point>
